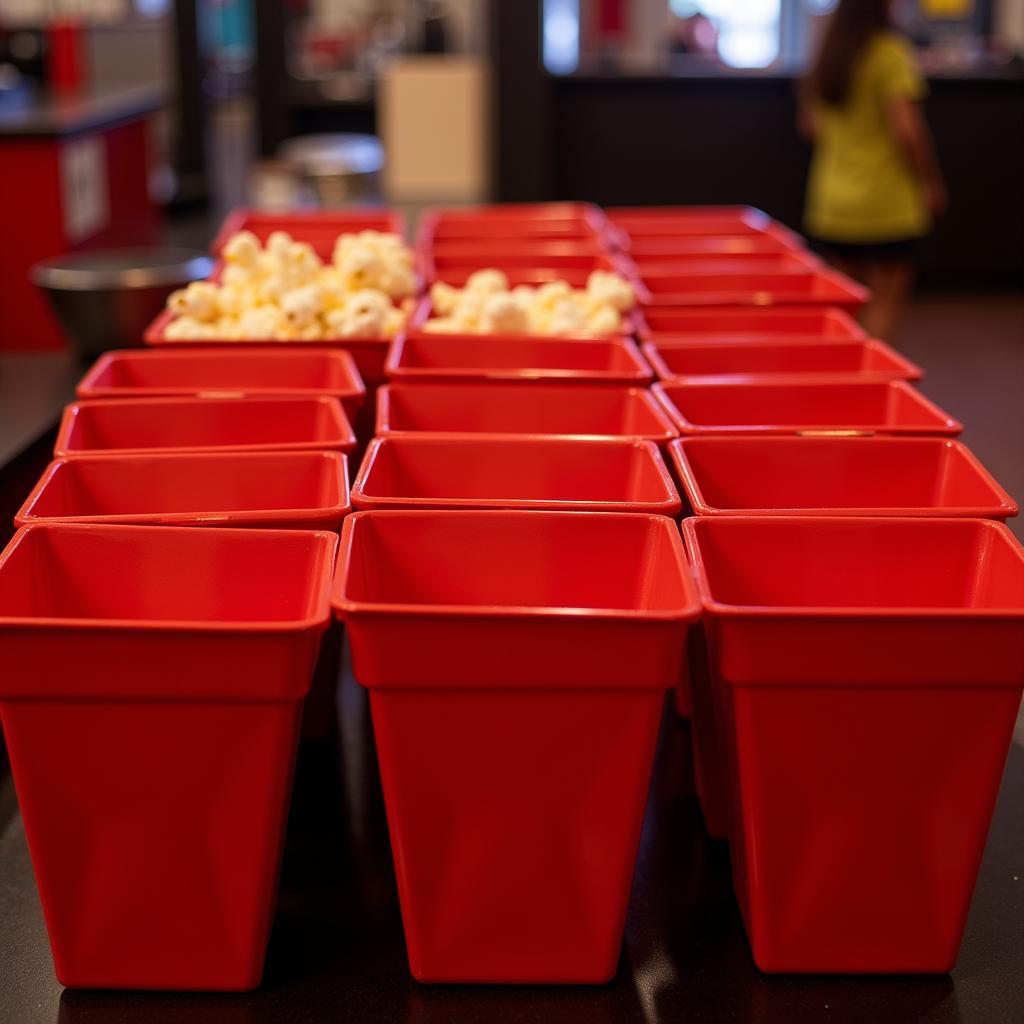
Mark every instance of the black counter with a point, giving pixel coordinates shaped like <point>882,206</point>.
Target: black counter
<point>48,115</point>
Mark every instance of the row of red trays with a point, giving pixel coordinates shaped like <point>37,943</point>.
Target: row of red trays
<point>456,357</point>
<point>719,476</point>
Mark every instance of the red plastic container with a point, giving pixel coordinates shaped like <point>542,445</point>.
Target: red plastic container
<point>646,222</point>
<point>567,410</point>
<point>654,247</point>
<point>368,353</point>
<point>524,252</point>
<point>789,262</point>
<point>547,221</point>
<point>462,357</point>
<point>534,276</point>
<point>139,425</point>
<point>821,287</point>
<point>151,698</point>
<point>756,359</point>
<point>293,490</point>
<point>502,472</point>
<point>692,324</point>
<point>516,663</point>
<point>868,673</point>
<point>850,406</point>
<point>319,228</point>
<point>840,476</point>
<point>231,373</point>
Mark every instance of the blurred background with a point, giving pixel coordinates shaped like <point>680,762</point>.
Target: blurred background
<point>202,104</point>
<point>142,122</point>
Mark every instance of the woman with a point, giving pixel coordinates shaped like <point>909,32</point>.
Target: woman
<point>875,187</point>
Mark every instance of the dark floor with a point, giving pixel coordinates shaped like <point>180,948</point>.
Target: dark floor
<point>972,350</point>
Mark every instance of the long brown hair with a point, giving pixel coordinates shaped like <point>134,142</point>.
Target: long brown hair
<point>850,29</point>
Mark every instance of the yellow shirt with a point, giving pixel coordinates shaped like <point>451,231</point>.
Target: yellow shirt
<point>862,187</point>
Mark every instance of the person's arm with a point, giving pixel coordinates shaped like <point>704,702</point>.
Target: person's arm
<point>911,131</point>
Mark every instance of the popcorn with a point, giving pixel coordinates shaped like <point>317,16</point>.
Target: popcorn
<point>375,259</point>
<point>242,252</point>
<point>187,328</point>
<point>278,243</point>
<point>604,320</point>
<point>368,300</point>
<point>608,287</point>
<point>365,323</point>
<point>198,301</point>
<point>553,308</point>
<point>503,314</point>
<point>444,297</point>
<point>282,291</point>
<point>487,282</point>
<point>469,310</point>
<point>394,321</point>
<point>397,281</point>
<point>551,293</point>
<point>441,325</point>
<point>302,306</point>
<point>565,317</point>
<point>261,322</point>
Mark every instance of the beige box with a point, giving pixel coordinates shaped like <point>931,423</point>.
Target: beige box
<point>434,122</point>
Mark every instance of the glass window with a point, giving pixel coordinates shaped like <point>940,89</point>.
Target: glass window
<point>747,30</point>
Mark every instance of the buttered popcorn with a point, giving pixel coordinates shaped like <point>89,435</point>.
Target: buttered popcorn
<point>283,291</point>
<point>486,305</point>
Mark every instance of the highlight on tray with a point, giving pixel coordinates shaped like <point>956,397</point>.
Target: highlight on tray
<point>582,222</point>
<point>284,291</point>
<point>486,304</point>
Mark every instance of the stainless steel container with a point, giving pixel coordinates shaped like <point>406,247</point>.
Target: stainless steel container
<point>107,297</point>
<point>338,168</point>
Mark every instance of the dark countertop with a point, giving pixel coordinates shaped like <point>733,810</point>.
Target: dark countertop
<point>696,69</point>
<point>34,387</point>
<point>48,114</point>
<point>336,950</point>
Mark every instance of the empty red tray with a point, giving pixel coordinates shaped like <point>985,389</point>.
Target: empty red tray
<point>474,471</point>
<point>141,373</point>
<point>866,675</point>
<point>534,276</point>
<point>300,490</point>
<point>790,262</point>
<point>320,228</point>
<point>645,222</point>
<point>661,324</point>
<point>151,698</point>
<point>654,247</point>
<point>842,476</point>
<point>821,287</point>
<point>755,358</point>
<point>455,357</point>
<point>517,664</point>
<point>564,410</point>
<point>481,252</point>
<point>846,406</point>
<point>138,425</point>
<point>551,221</point>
